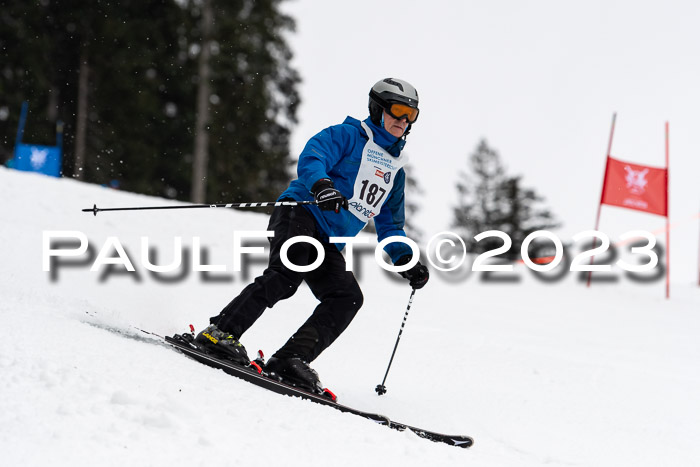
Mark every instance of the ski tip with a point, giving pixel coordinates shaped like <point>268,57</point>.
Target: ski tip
<point>463,442</point>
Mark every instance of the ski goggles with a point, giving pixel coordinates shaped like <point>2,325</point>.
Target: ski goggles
<point>399,111</point>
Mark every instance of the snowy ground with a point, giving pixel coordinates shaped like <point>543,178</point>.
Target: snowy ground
<point>538,373</point>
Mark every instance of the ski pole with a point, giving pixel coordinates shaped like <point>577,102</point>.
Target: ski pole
<point>381,389</point>
<point>94,209</point>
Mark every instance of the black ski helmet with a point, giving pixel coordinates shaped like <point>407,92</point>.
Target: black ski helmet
<point>389,91</point>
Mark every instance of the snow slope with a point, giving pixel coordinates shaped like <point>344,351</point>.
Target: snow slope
<point>538,373</point>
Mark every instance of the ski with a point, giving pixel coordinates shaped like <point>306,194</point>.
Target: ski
<point>253,374</point>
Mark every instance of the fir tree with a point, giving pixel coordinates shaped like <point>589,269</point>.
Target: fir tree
<point>491,200</point>
<point>254,100</point>
<point>138,63</point>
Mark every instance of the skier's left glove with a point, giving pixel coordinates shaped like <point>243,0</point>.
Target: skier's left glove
<point>417,276</point>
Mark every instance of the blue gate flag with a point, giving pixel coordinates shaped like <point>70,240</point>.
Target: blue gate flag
<point>37,158</point>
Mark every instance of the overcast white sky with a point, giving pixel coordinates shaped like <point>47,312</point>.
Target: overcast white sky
<point>539,80</point>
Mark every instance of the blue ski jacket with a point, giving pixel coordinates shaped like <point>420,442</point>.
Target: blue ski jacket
<point>336,153</point>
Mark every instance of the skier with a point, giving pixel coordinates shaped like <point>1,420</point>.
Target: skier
<point>354,172</point>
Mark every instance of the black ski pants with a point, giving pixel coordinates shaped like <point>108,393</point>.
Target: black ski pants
<point>337,289</point>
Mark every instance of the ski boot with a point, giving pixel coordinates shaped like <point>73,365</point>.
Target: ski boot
<point>222,344</point>
<point>296,372</point>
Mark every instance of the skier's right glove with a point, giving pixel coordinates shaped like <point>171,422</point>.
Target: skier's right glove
<point>417,276</point>
<point>327,197</point>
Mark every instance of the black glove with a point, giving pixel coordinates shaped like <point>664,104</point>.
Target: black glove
<point>417,276</point>
<point>328,198</point>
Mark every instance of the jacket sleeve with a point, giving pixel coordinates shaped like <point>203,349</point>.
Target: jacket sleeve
<point>391,218</point>
<point>322,152</point>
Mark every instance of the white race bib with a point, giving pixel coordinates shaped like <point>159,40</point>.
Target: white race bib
<point>374,179</point>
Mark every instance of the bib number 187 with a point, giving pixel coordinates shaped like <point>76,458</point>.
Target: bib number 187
<point>371,191</point>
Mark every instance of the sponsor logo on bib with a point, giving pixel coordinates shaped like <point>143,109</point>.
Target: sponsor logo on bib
<point>361,210</point>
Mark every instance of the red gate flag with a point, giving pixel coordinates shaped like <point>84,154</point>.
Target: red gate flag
<point>635,186</point>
